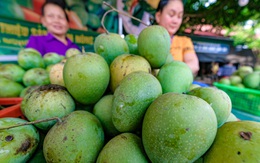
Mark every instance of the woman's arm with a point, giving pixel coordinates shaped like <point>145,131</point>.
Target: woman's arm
<point>189,56</point>
<point>192,61</point>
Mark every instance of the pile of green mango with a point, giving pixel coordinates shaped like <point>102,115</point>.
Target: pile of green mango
<point>244,77</point>
<point>120,106</point>
<point>31,69</point>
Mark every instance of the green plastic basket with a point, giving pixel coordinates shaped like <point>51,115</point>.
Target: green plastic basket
<point>244,99</point>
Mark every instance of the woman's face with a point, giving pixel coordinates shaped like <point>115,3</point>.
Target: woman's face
<point>171,16</point>
<point>54,20</point>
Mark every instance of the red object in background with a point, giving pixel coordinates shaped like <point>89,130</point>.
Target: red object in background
<point>75,22</point>
<point>10,101</point>
<point>30,15</point>
<point>12,111</point>
<point>37,6</point>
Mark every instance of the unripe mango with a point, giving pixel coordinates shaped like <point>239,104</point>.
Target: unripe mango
<point>178,128</point>
<point>19,143</point>
<point>78,138</point>
<point>131,99</point>
<point>86,76</point>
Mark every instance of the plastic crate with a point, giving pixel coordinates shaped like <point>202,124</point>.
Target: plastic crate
<point>244,99</point>
<point>13,108</point>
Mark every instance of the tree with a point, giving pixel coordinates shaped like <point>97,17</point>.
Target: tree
<point>226,15</point>
<point>221,13</point>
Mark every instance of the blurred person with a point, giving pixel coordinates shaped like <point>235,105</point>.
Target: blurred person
<point>227,70</point>
<point>56,21</point>
<point>169,14</point>
<point>214,70</point>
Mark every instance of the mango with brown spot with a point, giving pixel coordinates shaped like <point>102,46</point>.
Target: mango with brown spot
<point>17,144</point>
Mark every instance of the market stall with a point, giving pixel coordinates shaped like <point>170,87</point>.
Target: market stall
<point>117,100</point>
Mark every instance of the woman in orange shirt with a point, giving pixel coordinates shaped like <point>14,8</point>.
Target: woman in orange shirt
<point>169,14</point>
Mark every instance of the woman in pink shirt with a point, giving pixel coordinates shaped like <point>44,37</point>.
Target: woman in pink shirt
<point>56,21</point>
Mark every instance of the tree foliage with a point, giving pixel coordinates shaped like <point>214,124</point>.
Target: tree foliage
<point>245,36</point>
<point>221,13</point>
<point>226,15</point>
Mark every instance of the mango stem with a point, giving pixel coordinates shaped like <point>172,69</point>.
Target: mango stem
<point>120,12</point>
<point>33,122</point>
<point>103,19</point>
<point>83,50</point>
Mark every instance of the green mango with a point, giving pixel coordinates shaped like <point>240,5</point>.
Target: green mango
<point>30,58</point>
<point>48,68</point>
<point>193,86</point>
<point>78,138</point>
<point>86,76</point>
<point>46,102</point>
<point>17,144</point>
<point>231,117</point>
<point>124,65</point>
<point>131,99</point>
<point>126,147</point>
<point>236,141</point>
<point>36,76</point>
<point>218,99</point>
<point>12,71</point>
<point>110,46</point>
<point>244,70</point>
<point>235,79</point>
<point>9,88</point>
<point>131,41</point>
<point>178,128</point>
<point>27,90</point>
<point>240,85</point>
<point>51,58</point>
<point>94,21</point>
<point>175,77</point>
<point>252,80</point>
<point>225,81</point>
<point>71,52</point>
<point>103,111</point>
<point>154,44</point>
<point>169,58</point>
